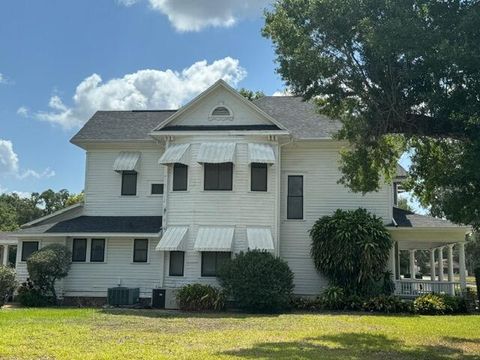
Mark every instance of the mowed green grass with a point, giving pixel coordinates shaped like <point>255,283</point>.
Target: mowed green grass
<point>148,334</point>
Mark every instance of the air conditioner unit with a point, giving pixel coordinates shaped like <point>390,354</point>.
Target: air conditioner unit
<point>164,299</point>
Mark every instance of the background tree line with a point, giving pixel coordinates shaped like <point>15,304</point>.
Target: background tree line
<point>16,210</point>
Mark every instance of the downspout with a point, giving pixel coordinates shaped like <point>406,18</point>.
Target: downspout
<point>278,199</point>
<point>166,189</point>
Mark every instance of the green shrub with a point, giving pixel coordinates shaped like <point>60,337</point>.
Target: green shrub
<point>351,248</point>
<point>333,298</point>
<point>199,297</point>
<point>430,304</point>
<point>354,303</point>
<point>306,304</point>
<point>31,295</point>
<point>454,304</point>
<point>8,283</point>
<point>477,281</point>
<point>258,281</point>
<point>46,266</point>
<point>388,304</point>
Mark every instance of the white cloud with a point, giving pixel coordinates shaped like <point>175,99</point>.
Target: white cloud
<point>9,164</point>
<point>144,89</point>
<point>284,92</point>
<point>23,111</point>
<point>195,15</point>
<point>3,79</point>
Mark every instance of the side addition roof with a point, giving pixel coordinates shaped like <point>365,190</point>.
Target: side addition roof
<point>408,219</point>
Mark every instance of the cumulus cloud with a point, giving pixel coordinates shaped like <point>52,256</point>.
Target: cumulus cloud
<point>9,164</point>
<point>144,89</point>
<point>284,92</point>
<point>3,79</point>
<point>23,111</point>
<point>195,15</point>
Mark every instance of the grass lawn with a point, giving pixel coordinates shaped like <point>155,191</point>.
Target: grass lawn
<point>144,334</point>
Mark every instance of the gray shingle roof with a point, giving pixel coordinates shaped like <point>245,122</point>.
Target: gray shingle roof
<point>299,117</point>
<point>405,218</point>
<point>100,224</point>
<point>121,125</point>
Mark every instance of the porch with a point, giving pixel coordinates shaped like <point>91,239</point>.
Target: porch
<point>442,240</point>
<point>8,249</point>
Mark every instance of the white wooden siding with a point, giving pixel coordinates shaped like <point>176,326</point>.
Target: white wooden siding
<point>318,163</point>
<point>103,185</point>
<point>93,279</point>
<point>239,208</point>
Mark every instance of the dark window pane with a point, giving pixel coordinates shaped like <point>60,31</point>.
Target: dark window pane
<point>259,177</point>
<point>157,189</point>
<point>12,255</point>
<point>208,264</point>
<point>180,177</point>
<point>176,263</point>
<point>129,183</point>
<point>140,250</point>
<point>211,262</point>
<point>28,248</point>
<point>97,251</point>
<point>218,176</point>
<point>79,250</point>
<point>295,197</point>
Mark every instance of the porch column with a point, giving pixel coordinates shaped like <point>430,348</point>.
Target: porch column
<point>450,269</point>
<point>5,255</point>
<point>440,263</point>
<point>463,269</point>
<point>412,264</point>
<point>392,262</point>
<point>432,265</point>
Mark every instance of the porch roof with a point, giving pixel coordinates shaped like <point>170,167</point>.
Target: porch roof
<point>408,219</point>
<point>97,225</point>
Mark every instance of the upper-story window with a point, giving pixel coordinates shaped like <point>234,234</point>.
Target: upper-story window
<point>156,189</point>
<point>258,181</point>
<point>218,176</point>
<point>221,112</point>
<point>295,197</point>
<point>129,183</point>
<point>180,177</point>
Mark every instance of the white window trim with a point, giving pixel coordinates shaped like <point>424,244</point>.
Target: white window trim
<point>149,188</point>
<point>132,252</point>
<point>286,175</point>
<point>89,250</point>
<point>221,117</point>
<point>19,254</point>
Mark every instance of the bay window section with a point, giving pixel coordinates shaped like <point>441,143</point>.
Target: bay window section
<point>218,176</point>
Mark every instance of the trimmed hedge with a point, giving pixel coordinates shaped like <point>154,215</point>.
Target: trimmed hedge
<point>199,297</point>
<point>258,281</point>
<point>7,283</point>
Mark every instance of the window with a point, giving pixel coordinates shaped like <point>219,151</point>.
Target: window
<point>97,250</point>
<point>12,255</point>
<point>218,176</point>
<point>258,181</point>
<point>180,177</point>
<point>140,250</point>
<point>221,111</point>
<point>79,250</point>
<point>211,262</point>
<point>156,189</point>
<point>295,197</point>
<point>176,263</point>
<point>129,183</point>
<point>28,248</point>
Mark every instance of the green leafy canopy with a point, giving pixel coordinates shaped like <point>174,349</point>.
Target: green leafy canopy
<point>401,76</point>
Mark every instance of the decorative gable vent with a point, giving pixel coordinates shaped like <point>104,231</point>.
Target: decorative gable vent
<point>221,112</point>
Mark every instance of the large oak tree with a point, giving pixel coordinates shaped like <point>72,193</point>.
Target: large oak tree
<point>401,76</point>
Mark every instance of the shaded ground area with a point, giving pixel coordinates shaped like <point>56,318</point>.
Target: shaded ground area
<point>149,334</point>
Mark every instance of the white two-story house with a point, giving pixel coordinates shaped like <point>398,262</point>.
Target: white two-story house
<point>170,194</point>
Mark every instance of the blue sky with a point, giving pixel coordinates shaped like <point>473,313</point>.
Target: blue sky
<point>48,48</point>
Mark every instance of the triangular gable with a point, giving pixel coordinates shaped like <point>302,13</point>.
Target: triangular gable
<point>198,111</point>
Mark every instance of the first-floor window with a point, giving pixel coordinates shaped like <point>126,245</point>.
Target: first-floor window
<point>28,248</point>
<point>177,259</point>
<point>140,250</point>
<point>212,261</point>
<point>79,250</point>
<point>12,255</point>
<point>97,250</point>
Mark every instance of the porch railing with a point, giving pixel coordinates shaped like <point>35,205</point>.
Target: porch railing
<point>414,288</point>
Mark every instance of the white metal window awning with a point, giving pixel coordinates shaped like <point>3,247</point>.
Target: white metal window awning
<point>261,153</point>
<point>214,239</point>
<point>173,239</point>
<point>216,153</point>
<point>175,154</point>
<point>259,239</point>
<point>127,161</point>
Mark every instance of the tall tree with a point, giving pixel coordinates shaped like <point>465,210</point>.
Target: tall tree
<point>400,76</point>
<point>250,94</point>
